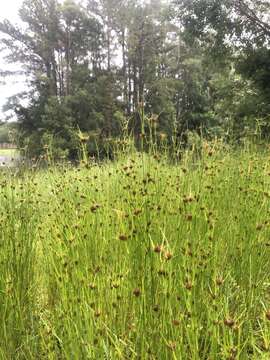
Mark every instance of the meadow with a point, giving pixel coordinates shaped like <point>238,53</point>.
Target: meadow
<point>140,258</point>
<point>8,152</point>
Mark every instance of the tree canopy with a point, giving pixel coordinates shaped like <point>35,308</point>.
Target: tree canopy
<point>194,65</point>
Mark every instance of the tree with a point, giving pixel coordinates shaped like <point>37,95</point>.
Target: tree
<point>60,47</point>
<point>233,34</point>
<point>199,65</point>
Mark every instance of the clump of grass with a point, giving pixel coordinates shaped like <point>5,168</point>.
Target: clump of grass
<point>139,258</point>
<point>18,269</point>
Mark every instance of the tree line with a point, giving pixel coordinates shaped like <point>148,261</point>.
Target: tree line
<point>95,65</point>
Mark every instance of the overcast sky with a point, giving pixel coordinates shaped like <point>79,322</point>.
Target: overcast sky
<point>9,10</point>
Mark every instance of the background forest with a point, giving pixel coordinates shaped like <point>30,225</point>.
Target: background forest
<point>97,67</point>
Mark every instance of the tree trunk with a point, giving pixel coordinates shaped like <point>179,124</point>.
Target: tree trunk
<point>124,69</point>
<point>109,30</point>
<point>67,59</point>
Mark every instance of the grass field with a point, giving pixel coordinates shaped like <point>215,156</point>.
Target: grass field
<point>138,259</point>
<point>8,152</point>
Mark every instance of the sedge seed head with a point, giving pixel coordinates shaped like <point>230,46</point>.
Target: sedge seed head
<point>229,322</point>
<point>137,292</point>
<point>267,314</point>
<point>158,249</point>
<point>123,237</point>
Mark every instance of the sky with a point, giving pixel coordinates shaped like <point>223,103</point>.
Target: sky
<point>12,86</point>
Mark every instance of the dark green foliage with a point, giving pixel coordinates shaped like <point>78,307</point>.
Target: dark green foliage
<point>197,65</point>
<point>7,132</point>
<point>255,65</point>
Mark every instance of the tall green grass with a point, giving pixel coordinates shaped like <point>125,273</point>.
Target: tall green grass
<point>138,259</point>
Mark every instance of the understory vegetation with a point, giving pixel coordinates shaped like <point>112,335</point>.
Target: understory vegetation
<point>140,258</point>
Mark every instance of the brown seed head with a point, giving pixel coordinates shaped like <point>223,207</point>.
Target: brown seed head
<point>137,292</point>
<point>219,281</point>
<point>168,256</point>
<point>123,237</point>
<point>229,322</point>
<point>97,313</point>
<point>158,249</point>
<point>188,285</point>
